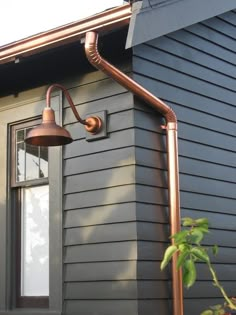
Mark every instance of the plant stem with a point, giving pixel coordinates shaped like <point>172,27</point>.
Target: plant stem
<point>231,305</point>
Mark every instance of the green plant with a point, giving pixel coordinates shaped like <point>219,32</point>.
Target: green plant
<point>187,244</point>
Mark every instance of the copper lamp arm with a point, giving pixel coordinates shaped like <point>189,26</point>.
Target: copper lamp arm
<point>69,99</point>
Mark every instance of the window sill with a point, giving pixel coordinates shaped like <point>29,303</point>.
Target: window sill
<point>30,312</point>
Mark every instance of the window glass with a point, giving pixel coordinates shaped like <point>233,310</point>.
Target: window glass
<point>31,161</point>
<point>34,241</point>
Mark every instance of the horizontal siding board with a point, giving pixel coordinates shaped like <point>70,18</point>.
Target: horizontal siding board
<point>114,195</point>
<point>203,289</point>
<point>223,271</point>
<point>96,90</point>
<point>150,140</point>
<point>115,232</point>
<point>222,238</point>
<point>101,271</point>
<point>226,255</point>
<point>150,270</point>
<point>148,289</point>
<point>195,306</point>
<point>206,153</point>
<point>151,176</point>
<point>207,186</point>
<point>207,169</point>
<point>115,140</point>
<point>228,17</point>
<point>113,251</point>
<point>101,233</point>
<point>151,250</point>
<point>151,195</point>
<point>213,49</point>
<point>187,98</point>
<point>101,290</point>
<point>188,67</point>
<point>116,213</point>
<point>116,290</point>
<point>100,215</point>
<point>152,213</point>
<point>216,33</point>
<point>121,120</point>
<point>181,49</point>
<point>148,120</point>
<point>151,158</point>
<point>100,161</point>
<point>183,81</point>
<point>124,307</point>
<point>226,29</point>
<point>150,307</point>
<point>193,116</point>
<point>217,220</point>
<point>100,179</point>
<point>205,202</point>
<point>208,137</point>
<point>149,231</point>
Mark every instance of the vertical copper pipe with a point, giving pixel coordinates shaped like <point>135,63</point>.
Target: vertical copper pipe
<point>172,149</point>
<point>174,201</point>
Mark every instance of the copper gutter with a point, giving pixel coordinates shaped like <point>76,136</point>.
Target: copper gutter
<point>106,20</point>
<point>172,149</point>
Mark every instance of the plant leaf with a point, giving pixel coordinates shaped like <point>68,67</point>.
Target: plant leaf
<point>189,273</point>
<point>196,236</point>
<point>215,250</point>
<point>202,221</point>
<point>180,237</point>
<point>168,255</point>
<point>188,221</point>
<point>207,312</point>
<point>200,253</point>
<point>182,257</point>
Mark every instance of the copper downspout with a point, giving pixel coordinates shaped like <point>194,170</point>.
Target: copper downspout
<point>172,149</point>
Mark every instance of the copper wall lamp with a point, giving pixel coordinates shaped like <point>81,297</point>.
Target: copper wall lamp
<point>48,133</point>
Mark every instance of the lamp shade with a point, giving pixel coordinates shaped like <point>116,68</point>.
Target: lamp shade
<point>48,133</point>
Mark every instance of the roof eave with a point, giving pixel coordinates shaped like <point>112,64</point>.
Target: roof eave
<point>107,20</point>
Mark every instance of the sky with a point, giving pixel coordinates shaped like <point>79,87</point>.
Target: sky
<point>23,18</point>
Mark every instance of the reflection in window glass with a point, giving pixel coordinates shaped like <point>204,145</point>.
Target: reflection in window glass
<point>34,241</point>
<point>43,162</point>
<point>20,162</point>
<point>31,161</point>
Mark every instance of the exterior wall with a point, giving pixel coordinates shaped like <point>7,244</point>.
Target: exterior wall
<point>194,71</point>
<point>100,230</point>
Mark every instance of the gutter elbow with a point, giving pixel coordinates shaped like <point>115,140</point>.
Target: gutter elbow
<point>91,51</point>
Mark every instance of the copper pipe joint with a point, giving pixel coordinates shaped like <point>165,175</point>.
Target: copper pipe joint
<point>93,124</point>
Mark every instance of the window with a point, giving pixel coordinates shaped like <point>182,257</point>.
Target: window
<point>30,194</point>
<point>28,190</point>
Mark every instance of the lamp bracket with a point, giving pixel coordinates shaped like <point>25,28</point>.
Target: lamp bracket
<point>103,131</point>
